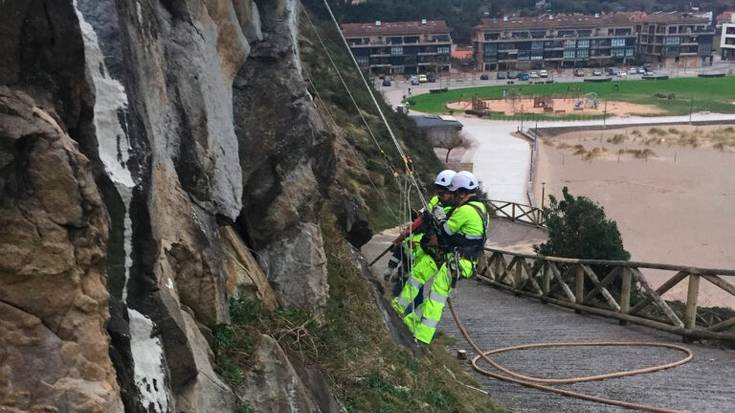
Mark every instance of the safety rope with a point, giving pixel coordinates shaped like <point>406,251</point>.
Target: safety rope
<point>396,143</point>
<point>351,96</point>
<point>541,383</point>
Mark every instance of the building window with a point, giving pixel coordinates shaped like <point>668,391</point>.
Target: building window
<point>492,36</point>
<point>618,42</point>
<point>583,53</point>
<point>396,51</point>
<point>630,52</point>
<point>569,54</point>
<point>441,38</point>
<point>671,40</point>
<point>570,44</point>
<point>362,60</point>
<point>443,49</point>
<point>618,52</point>
<point>583,44</point>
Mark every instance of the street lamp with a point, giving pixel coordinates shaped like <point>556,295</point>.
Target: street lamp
<point>543,194</point>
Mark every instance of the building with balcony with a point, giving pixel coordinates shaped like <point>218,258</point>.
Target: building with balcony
<point>555,41</point>
<point>670,39</point>
<point>400,47</point>
<point>727,41</point>
<point>676,39</point>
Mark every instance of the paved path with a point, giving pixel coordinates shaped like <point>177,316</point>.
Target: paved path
<point>498,319</point>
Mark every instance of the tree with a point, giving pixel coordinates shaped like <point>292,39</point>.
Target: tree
<point>578,228</point>
<point>452,140</point>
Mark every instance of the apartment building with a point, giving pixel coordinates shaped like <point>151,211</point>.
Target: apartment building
<point>555,41</point>
<point>670,39</point>
<point>400,47</point>
<point>727,41</point>
<point>676,39</point>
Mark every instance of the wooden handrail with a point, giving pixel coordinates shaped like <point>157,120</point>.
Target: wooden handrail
<point>633,264</point>
<point>547,278</point>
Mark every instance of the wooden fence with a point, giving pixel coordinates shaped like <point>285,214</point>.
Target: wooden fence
<point>517,212</point>
<point>617,289</point>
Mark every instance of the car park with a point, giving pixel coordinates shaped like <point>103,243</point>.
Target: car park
<point>543,73</point>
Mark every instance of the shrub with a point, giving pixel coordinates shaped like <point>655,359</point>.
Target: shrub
<point>578,228</point>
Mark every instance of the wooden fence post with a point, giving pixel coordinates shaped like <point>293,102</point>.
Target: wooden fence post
<point>579,287</point>
<point>690,318</point>
<point>625,290</point>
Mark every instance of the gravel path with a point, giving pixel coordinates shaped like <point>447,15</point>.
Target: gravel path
<point>497,319</point>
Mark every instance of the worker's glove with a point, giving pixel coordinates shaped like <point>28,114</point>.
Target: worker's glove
<point>439,214</point>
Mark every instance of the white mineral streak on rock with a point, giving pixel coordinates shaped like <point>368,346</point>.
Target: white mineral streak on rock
<point>257,26</point>
<point>114,151</point>
<point>150,376</point>
<point>293,25</point>
<point>114,148</point>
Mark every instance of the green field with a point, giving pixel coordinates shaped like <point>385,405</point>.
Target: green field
<point>697,94</point>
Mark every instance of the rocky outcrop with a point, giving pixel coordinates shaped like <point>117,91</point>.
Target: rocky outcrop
<point>156,160</point>
<point>53,299</point>
<point>273,385</point>
<point>287,160</point>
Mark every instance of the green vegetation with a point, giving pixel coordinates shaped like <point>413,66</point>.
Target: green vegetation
<point>697,94</point>
<point>366,370</point>
<point>366,170</point>
<point>578,228</point>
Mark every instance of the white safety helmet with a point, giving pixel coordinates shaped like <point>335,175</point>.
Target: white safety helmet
<point>445,178</point>
<point>464,180</point>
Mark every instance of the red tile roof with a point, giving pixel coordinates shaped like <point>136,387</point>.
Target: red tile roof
<point>395,28</point>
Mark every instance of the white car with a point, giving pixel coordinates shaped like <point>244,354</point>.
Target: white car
<point>543,73</point>
<point>622,74</point>
<point>633,71</point>
<point>597,73</point>
<point>533,75</point>
<point>423,79</point>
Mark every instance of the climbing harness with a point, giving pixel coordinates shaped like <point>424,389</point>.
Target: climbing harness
<point>509,376</point>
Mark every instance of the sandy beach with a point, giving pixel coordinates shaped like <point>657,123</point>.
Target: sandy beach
<point>670,189</point>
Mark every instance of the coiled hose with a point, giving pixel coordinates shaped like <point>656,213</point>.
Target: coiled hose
<point>543,384</point>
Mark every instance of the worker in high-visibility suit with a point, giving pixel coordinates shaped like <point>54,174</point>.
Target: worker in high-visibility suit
<point>460,237</point>
<point>410,250</point>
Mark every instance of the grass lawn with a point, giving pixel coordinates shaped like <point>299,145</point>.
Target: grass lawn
<point>701,94</point>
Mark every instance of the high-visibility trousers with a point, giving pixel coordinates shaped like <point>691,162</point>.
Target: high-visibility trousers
<point>422,270</point>
<point>422,322</point>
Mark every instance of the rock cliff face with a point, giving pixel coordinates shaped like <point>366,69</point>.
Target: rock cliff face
<point>146,149</point>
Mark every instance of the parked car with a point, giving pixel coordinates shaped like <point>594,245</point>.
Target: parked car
<point>386,82</point>
<point>423,79</point>
<point>500,76</point>
<point>633,71</point>
<point>513,75</point>
<point>533,75</point>
<point>543,73</point>
<point>649,73</point>
<point>431,78</point>
<point>622,74</point>
<point>523,76</point>
<point>414,80</point>
<point>579,73</point>
<point>485,76</point>
<point>597,72</point>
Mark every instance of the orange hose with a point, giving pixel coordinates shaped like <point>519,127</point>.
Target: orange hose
<point>538,383</point>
